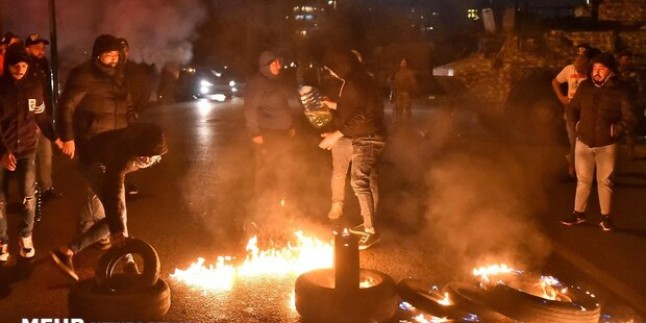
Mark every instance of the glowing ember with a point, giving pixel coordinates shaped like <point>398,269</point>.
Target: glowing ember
<point>306,254</point>
<point>445,301</point>
<point>421,318</point>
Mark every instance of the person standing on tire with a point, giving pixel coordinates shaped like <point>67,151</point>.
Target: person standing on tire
<point>22,114</point>
<point>360,114</point>
<point>109,156</point>
<point>600,112</point>
<point>572,74</point>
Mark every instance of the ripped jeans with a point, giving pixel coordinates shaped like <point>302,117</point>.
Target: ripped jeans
<point>26,175</point>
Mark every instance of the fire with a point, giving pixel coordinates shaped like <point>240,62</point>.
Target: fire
<point>445,301</point>
<point>306,254</point>
<point>421,318</point>
<point>546,287</point>
<point>492,270</point>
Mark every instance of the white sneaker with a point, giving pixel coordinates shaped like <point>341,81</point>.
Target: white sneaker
<point>27,247</point>
<point>4,253</point>
<point>336,211</point>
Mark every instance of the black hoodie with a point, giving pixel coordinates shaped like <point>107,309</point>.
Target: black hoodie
<point>360,110</point>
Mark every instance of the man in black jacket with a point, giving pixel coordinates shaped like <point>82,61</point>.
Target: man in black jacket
<point>600,112</point>
<point>359,116</point>
<point>95,100</point>
<point>22,115</point>
<point>111,155</point>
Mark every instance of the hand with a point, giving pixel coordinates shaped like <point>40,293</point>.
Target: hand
<point>69,148</point>
<point>59,144</point>
<point>330,104</point>
<point>564,100</point>
<point>9,161</point>
<point>118,239</point>
<point>258,140</point>
<point>329,139</point>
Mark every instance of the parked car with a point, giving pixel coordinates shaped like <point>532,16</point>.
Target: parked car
<point>217,83</point>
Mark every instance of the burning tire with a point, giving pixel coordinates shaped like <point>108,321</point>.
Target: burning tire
<point>474,300</point>
<point>109,262</point>
<point>418,294</point>
<point>92,302</point>
<point>570,305</point>
<point>318,301</point>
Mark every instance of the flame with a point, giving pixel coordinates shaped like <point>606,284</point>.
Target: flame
<point>421,318</point>
<point>306,254</point>
<point>446,301</point>
<point>491,270</point>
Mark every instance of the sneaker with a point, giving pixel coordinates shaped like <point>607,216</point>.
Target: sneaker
<point>367,240</point>
<point>575,218</point>
<point>606,224</point>
<point>336,211</point>
<point>359,229</point>
<point>27,249</point>
<point>130,267</point>
<point>4,252</point>
<point>64,263</point>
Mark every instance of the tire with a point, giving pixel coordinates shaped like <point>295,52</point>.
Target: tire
<point>473,299</point>
<point>318,301</point>
<point>580,307</point>
<point>417,293</point>
<point>108,262</point>
<point>92,303</point>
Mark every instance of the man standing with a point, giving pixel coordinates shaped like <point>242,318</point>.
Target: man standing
<point>35,46</point>
<point>22,113</point>
<point>95,100</point>
<point>404,85</point>
<point>600,112</point>
<point>360,114</point>
<point>269,122</point>
<point>572,74</point>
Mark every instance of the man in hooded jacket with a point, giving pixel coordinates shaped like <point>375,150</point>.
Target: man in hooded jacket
<point>359,116</point>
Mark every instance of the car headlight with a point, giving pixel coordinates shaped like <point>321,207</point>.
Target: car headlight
<point>232,83</point>
<point>205,83</point>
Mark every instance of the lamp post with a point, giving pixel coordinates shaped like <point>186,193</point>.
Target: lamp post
<point>53,41</point>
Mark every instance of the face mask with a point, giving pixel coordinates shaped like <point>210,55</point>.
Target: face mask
<point>146,161</point>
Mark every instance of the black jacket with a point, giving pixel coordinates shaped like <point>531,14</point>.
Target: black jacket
<point>600,115</point>
<point>360,109</point>
<point>266,102</point>
<point>22,113</point>
<point>95,100</point>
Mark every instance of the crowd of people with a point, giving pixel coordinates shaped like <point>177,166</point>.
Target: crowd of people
<point>95,121</point>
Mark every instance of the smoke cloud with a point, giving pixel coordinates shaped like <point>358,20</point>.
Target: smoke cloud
<point>158,31</point>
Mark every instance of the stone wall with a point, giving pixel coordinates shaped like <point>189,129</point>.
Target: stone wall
<point>624,11</point>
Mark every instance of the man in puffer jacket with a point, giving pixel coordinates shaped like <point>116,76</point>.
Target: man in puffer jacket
<point>600,112</point>
<point>22,117</point>
<point>110,156</point>
<point>95,100</point>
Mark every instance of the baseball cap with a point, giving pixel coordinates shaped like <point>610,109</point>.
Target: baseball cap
<point>35,39</point>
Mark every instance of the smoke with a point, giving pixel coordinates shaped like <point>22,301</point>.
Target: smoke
<point>158,31</point>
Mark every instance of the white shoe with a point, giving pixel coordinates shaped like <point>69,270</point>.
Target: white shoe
<point>4,253</point>
<point>336,211</point>
<point>27,247</point>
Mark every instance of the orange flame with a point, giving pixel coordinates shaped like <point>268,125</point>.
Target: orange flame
<point>307,254</point>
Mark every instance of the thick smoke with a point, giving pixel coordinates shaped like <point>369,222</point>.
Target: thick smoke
<point>158,31</point>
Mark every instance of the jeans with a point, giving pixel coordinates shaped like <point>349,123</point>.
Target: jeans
<point>341,158</point>
<point>402,106</point>
<point>44,162</point>
<point>586,158</point>
<point>364,174</point>
<point>273,166</point>
<point>94,225</point>
<point>26,173</point>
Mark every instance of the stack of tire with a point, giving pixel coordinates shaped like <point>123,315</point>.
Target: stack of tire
<point>499,303</point>
<point>114,296</point>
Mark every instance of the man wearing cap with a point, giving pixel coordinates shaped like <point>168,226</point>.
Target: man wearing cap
<point>35,46</point>
<point>269,123</point>
<point>7,39</point>
<point>600,112</point>
<point>22,114</point>
<point>95,100</point>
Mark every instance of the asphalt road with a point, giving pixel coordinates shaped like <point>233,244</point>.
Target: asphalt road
<point>454,197</point>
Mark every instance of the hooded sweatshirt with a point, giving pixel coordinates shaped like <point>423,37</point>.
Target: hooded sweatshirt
<point>360,110</point>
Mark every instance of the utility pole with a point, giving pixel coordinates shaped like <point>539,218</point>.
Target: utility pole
<point>53,41</point>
